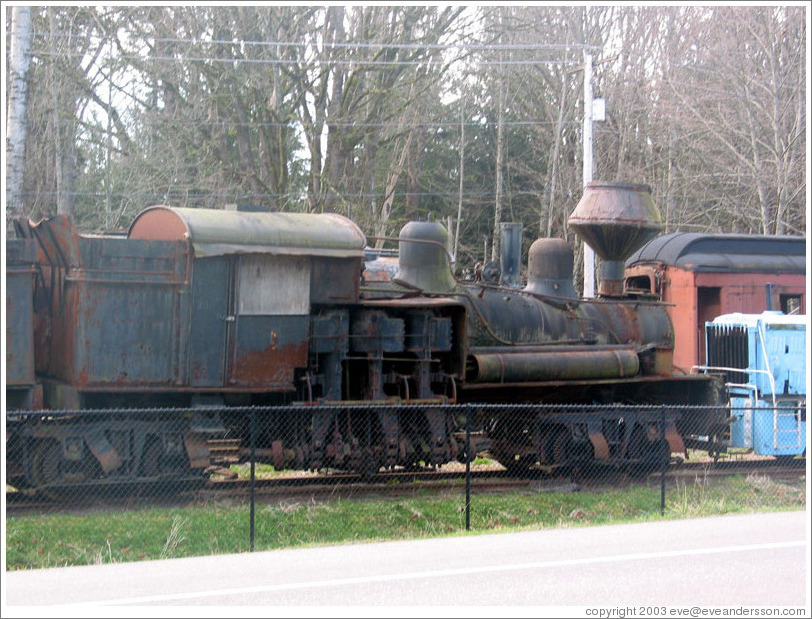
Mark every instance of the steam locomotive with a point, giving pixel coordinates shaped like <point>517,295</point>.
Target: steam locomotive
<point>127,354</point>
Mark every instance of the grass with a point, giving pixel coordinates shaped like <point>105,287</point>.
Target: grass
<point>57,540</point>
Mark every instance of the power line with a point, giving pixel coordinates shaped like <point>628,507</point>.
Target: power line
<point>339,124</point>
<point>284,61</point>
<point>575,47</point>
<point>243,196</point>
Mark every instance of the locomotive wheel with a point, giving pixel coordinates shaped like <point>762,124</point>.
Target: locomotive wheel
<point>560,447</point>
<point>49,466</point>
<point>45,463</point>
<point>150,461</point>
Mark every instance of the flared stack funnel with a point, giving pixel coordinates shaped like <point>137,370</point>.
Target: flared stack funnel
<point>615,220</point>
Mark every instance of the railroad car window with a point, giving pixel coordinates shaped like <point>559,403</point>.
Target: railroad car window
<point>641,283</point>
<point>791,303</point>
<point>274,285</point>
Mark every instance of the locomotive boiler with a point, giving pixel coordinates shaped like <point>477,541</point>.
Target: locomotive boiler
<point>150,345</point>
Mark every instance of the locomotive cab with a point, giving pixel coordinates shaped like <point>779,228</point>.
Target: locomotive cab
<point>253,280</point>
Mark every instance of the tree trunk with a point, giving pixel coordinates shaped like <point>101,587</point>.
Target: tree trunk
<point>500,155</point>
<point>17,104</point>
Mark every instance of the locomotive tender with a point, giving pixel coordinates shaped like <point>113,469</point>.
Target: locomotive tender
<point>199,314</point>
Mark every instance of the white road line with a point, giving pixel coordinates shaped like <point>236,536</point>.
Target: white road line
<point>433,574</point>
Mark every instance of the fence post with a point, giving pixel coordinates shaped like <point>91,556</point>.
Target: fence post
<point>253,453</point>
<point>467,468</point>
<point>664,465</point>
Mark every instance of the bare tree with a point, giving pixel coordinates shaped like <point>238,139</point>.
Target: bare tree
<point>737,98</point>
<point>360,110</point>
<point>17,105</point>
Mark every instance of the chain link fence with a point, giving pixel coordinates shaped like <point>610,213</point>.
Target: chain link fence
<point>131,459</point>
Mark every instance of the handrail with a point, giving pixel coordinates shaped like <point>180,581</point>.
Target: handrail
<point>715,368</point>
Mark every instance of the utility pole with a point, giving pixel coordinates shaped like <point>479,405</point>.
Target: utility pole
<point>589,254</point>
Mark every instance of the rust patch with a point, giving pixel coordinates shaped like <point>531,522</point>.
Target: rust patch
<point>270,367</point>
<point>105,453</point>
<point>600,445</point>
<point>197,449</point>
<point>159,224</point>
<point>674,439</point>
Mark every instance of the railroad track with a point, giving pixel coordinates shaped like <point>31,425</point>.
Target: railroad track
<point>312,487</point>
<point>282,488</point>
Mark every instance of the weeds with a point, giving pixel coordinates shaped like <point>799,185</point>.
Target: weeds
<point>174,538</point>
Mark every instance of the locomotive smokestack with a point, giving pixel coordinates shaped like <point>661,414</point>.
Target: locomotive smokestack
<point>615,219</point>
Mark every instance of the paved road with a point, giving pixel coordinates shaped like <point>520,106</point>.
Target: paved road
<point>752,560</point>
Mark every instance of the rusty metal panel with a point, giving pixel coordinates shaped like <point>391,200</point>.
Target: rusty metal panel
<point>269,336</point>
<point>329,332</point>
<point>122,259</point>
<point>426,332</point>
<point>116,323</point>
<point>335,280</point>
<point>123,334</point>
<point>58,241</point>
<point>267,350</point>
<point>374,332</point>
<point>125,331</point>
<point>209,322</point>
<point>19,283</point>
<point>249,326</point>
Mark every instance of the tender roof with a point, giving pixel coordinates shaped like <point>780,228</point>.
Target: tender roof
<point>770,318</point>
<point>215,232</point>
<point>694,251</point>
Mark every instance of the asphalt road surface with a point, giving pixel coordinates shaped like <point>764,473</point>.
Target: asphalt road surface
<point>665,568</point>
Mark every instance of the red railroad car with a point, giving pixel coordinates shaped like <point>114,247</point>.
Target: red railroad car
<point>702,276</point>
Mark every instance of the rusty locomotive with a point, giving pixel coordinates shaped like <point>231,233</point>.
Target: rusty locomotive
<point>197,316</point>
